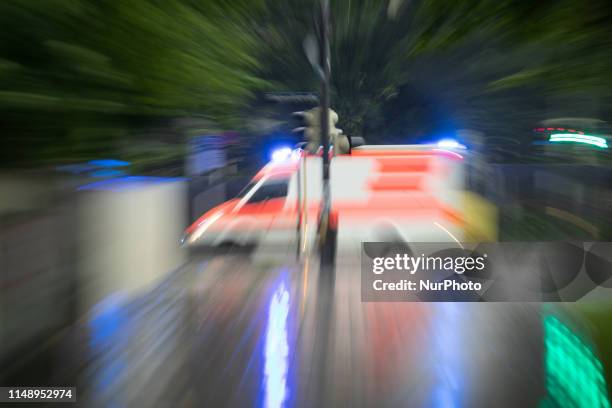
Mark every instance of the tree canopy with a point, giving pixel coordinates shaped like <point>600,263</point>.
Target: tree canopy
<point>77,76</point>
<point>403,68</point>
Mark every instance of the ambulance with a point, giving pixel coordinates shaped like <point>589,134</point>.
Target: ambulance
<point>390,193</point>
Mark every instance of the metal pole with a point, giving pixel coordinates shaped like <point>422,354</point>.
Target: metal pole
<point>327,245</point>
<point>299,209</point>
<point>325,64</point>
<point>327,277</point>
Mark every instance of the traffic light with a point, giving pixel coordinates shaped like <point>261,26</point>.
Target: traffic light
<point>312,131</point>
<point>339,140</point>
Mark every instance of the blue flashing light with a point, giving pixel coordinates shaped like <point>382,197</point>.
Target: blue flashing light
<point>109,163</point>
<point>107,173</point>
<point>450,144</point>
<point>281,154</point>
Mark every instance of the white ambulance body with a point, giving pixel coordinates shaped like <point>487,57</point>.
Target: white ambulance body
<point>395,194</point>
<point>407,193</point>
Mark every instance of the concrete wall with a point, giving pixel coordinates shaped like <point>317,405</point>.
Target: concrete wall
<point>64,249</point>
<point>128,234</point>
<point>37,280</point>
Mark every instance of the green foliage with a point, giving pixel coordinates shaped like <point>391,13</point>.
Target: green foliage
<point>494,65</point>
<point>79,76</point>
<point>76,72</point>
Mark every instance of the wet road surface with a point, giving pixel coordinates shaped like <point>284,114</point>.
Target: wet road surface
<point>236,329</point>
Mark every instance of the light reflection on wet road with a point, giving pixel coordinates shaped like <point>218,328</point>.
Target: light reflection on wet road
<point>229,330</point>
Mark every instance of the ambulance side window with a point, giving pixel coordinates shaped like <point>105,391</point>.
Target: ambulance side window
<point>270,189</point>
<point>246,189</point>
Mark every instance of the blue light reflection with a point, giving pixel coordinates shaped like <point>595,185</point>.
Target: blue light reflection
<point>276,350</point>
<point>448,370</point>
<point>109,333</point>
